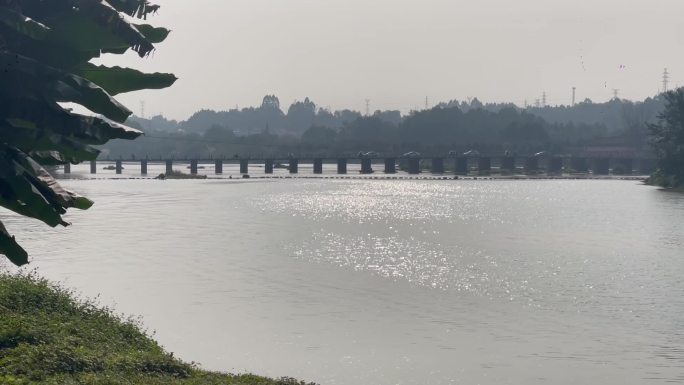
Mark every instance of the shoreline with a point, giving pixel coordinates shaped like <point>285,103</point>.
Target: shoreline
<point>238,177</point>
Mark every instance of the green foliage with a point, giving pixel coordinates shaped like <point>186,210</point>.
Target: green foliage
<point>45,49</point>
<point>667,139</point>
<point>48,336</point>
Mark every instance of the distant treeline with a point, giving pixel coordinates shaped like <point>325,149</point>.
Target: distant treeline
<point>453,126</point>
<point>268,117</point>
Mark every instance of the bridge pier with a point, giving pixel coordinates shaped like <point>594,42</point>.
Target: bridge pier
<point>555,166</point>
<point>169,166</point>
<point>342,166</point>
<point>93,167</point>
<point>119,167</point>
<point>601,166</point>
<point>218,167</point>
<point>193,167</point>
<point>437,166</point>
<point>390,166</point>
<point>461,166</point>
<point>143,167</point>
<point>318,166</point>
<point>414,166</point>
<point>294,166</point>
<point>244,166</point>
<point>268,166</point>
<point>484,166</point>
<point>579,165</point>
<point>366,166</point>
<point>507,164</point>
<point>531,165</point>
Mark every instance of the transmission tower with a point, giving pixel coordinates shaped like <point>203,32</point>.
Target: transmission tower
<point>616,93</point>
<point>368,107</point>
<point>574,91</point>
<point>142,109</point>
<point>544,99</point>
<point>666,79</point>
<point>426,103</point>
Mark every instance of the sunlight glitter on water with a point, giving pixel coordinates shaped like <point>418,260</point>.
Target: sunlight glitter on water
<point>387,282</point>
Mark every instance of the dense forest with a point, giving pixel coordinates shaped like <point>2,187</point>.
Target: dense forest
<point>307,129</point>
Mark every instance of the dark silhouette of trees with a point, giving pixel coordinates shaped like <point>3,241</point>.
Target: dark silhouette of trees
<point>667,139</point>
<point>300,116</point>
<point>451,126</point>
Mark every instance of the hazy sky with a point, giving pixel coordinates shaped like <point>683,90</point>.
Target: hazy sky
<point>397,52</point>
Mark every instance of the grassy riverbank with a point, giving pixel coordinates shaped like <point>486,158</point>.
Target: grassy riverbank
<point>48,336</point>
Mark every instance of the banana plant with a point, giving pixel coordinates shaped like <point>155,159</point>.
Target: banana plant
<point>46,49</point>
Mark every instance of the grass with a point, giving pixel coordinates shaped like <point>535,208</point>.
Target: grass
<point>49,336</point>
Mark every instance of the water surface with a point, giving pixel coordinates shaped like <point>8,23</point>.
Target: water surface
<point>388,282</point>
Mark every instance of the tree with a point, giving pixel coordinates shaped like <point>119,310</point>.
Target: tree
<point>45,53</point>
<point>667,139</point>
<point>300,116</point>
<point>271,101</point>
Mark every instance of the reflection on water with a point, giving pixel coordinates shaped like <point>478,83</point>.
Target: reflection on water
<point>389,282</point>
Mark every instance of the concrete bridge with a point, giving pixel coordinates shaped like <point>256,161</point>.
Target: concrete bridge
<point>458,165</point>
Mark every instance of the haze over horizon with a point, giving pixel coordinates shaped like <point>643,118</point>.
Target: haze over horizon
<point>397,53</point>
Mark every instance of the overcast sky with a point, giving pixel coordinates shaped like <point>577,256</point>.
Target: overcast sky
<point>398,52</point>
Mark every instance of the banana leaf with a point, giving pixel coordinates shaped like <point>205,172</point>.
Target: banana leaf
<point>21,24</point>
<point>38,115</point>
<point>48,53</point>
<point>153,34</point>
<point>45,50</point>
<point>135,8</point>
<point>43,142</point>
<point>62,86</point>
<point>22,197</point>
<point>28,189</point>
<point>49,187</point>
<point>10,248</point>
<point>117,80</point>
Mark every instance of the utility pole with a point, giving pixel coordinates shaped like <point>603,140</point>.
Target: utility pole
<point>426,103</point>
<point>666,79</point>
<point>574,90</point>
<point>368,107</point>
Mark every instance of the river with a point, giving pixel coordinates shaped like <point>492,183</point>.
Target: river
<point>387,281</point>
